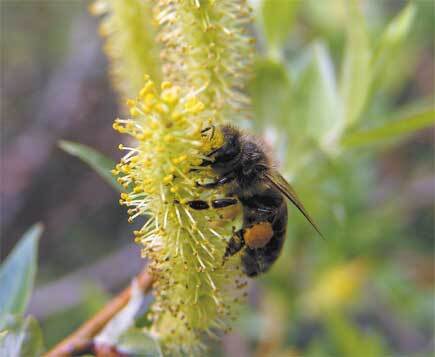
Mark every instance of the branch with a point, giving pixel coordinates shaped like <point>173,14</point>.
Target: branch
<point>81,339</point>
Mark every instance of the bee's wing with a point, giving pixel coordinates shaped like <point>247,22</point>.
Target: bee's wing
<point>279,182</point>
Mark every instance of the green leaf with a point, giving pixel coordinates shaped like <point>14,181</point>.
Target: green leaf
<point>395,32</point>
<point>278,17</point>
<point>97,161</point>
<point>349,340</point>
<point>356,72</point>
<point>392,38</point>
<point>270,91</point>
<point>392,129</point>
<point>316,104</point>
<point>21,338</point>
<point>17,273</point>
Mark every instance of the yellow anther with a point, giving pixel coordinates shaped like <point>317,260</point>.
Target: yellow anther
<point>168,138</point>
<point>182,158</point>
<point>174,189</point>
<point>137,189</point>
<point>150,99</point>
<point>114,172</point>
<point>199,107</point>
<point>103,30</point>
<point>121,147</point>
<point>166,85</point>
<point>196,161</point>
<point>190,103</point>
<point>176,116</point>
<point>194,106</point>
<point>125,169</point>
<point>130,103</point>
<point>134,112</point>
<point>154,125</point>
<point>170,96</point>
<point>168,178</point>
<point>148,87</point>
<point>162,108</point>
<point>98,8</point>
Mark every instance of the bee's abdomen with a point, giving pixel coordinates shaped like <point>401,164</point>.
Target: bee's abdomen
<point>257,260</point>
<point>259,235</point>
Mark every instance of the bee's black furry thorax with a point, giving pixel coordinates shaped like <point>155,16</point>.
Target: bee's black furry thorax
<point>242,156</point>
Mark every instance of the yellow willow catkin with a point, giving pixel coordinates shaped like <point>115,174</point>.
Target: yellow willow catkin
<point>205,46</point>
<point>194,291</point>
<point>130,42</point>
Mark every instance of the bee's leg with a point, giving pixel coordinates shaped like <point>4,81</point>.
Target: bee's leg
<point>219,182</point>
<point>235,244</point>
<point>218,203</point>
<point>204,163</point>
<point>198,205</point>
<point>223,202</point>
<point>212,128</point>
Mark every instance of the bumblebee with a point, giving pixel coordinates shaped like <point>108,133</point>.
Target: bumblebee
<point>242,165</point>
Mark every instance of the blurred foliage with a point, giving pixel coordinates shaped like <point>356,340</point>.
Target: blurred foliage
<point>22,337</point>
<point>17,274</point>
<point>95,160</point>
<point>19,336</point>
<point>319,103</point>
<point>344,91</point>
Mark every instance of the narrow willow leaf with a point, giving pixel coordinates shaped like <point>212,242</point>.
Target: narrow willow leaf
<point>278,17</point>
<point>317,105</point>
<point>270,90</point>
<point>97,161</point>
<point>392,129</point>
<point>21,338</point>
<point>396,30</point>
<point>392,37</point>
<point>356,72</point>
<point>17,273</point>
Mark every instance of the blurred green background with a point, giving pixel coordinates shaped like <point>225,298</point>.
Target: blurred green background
<point>338,92</point>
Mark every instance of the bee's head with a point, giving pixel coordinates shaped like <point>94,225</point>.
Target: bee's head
<point>229,152</point>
